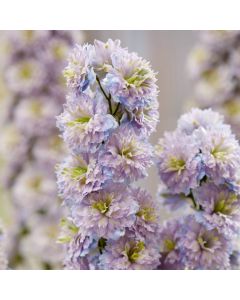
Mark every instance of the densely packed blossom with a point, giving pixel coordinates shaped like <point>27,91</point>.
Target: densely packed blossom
<point>198,163</point>
<point>148,215</point>
<point>106,213</point>
<point>29,144</point>
<point>125,156</point>
<point>78,176</point>
<point>204,248</point>
<point>170,245</point>
<point>220,205</point>
<point>180,167</point>
<point>214,68</point>
<point>3,256</point>
<point>85,123</point>
<point>110,112</point>
<point>130,252</point>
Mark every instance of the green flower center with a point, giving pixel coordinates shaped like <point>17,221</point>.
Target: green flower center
<point>207,243</point>
<point>75,173</point>
<point>169,245</point>
<point>81,120</point>
<point>103,205</point>
<point>26,71</point>
<point>138,77</point>
<point>147,214</point>
<point>225,206</point>
<point>133,250</point>
<point>69,74</point>
<point>219,152</point>
<point>128,151</point>
<point>71,229</point>
<point>176,164</point>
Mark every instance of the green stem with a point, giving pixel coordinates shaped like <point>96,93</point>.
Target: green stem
<point>104,93</point>
<point>117,107</point>
<point>193,200</point>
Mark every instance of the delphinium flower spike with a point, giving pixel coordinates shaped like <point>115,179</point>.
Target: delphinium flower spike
<point>29,142</point>
<point>111,111</point>
<point>198,164</point>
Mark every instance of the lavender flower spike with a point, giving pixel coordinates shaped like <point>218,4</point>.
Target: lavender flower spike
<point>31,68</point>
<point>110,112</point>
<point>199,167</point>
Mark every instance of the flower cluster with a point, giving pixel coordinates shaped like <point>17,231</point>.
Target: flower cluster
<point>214,67</point>
<point>110,112</point>
<point>3,257</point>
<point>199,163</point>
<point>29,142</point>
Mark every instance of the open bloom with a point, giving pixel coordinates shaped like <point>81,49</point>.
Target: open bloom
<point>179,163</point>
<point>147,223</point>
<point>85,123</point>
<point>130,252</point>
<point>203,248</point>
<point>131,80</point>
<point>83,253</point>
<point>220,153</point>
<point>169,238</point>
<point>126,157</point>
<point>79,73</point>
<point>198,118</point>
<point>221,207</point>
<point>106,213</point>
<point>101,55</point>
<point>79,176</point>
<point>144,119</point>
